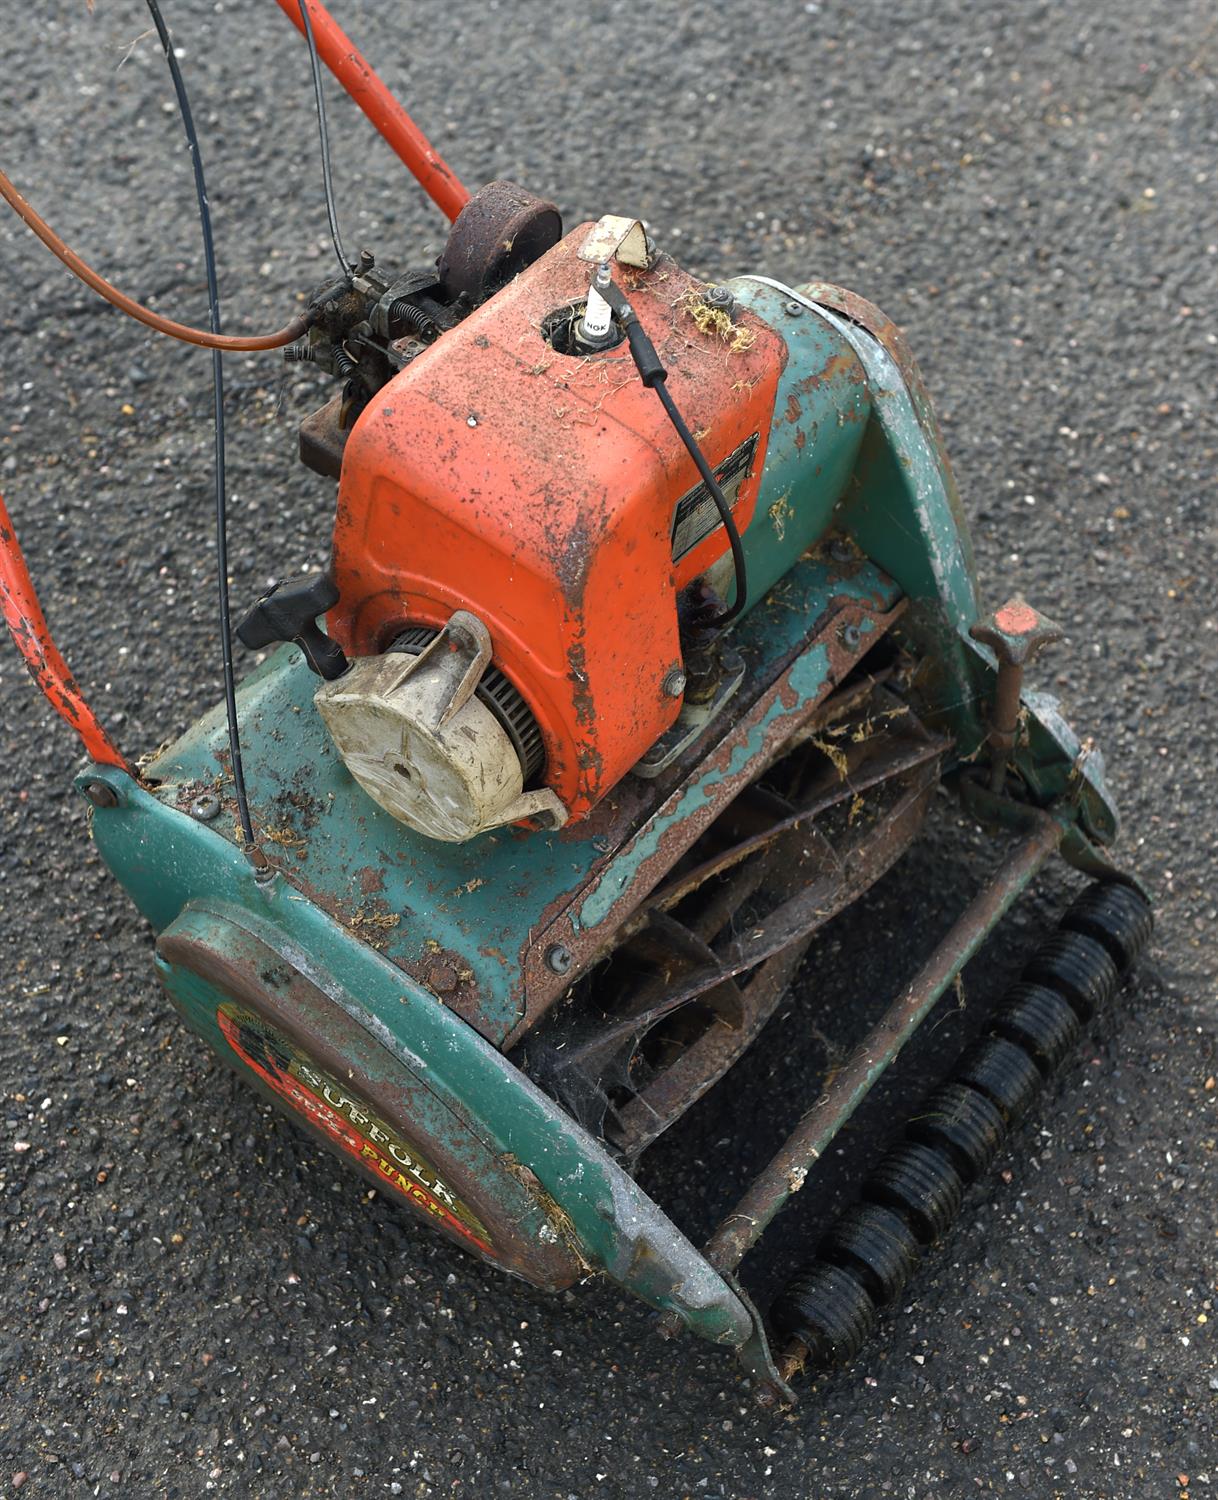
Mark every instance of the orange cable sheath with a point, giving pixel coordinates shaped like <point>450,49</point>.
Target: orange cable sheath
<point>233,343</point>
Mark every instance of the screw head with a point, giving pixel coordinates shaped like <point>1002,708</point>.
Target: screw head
<point>674,683</point>
<point>840,550</point>
<point>851,636</point>
<point>558,958</point>
<point>205,807</point>
<point>793,309</point>
<point>100,794</point>
<point>719,297</point>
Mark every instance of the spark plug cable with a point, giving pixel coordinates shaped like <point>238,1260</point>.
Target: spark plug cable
<point>654,375</point>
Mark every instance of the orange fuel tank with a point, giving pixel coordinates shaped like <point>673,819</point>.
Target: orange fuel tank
<point>549,495</point>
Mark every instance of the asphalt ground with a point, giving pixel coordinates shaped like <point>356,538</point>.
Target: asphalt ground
<point>195,1300</point>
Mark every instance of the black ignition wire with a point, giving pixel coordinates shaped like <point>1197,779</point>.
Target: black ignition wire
<point>654,375</point>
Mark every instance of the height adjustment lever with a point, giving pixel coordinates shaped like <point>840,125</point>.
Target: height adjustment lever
<point>288,612</point>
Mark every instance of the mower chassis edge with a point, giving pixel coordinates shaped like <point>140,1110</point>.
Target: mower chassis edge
<point>172,865</point>
<point>903,512</point>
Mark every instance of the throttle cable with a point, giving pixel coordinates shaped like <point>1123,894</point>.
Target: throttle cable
<point>237,343</point>
<point>323,132</point>
<point>217,375</point>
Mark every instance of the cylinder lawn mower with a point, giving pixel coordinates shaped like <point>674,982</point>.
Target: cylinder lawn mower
<point>490,880</point>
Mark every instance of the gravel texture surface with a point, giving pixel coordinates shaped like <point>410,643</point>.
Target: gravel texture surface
<point>195,1300</point>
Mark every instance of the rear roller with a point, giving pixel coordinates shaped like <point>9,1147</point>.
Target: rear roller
<point>1040,1021</point>
<point>910,1200</point>
<point>1077,967</point>
<point>963,1124</point>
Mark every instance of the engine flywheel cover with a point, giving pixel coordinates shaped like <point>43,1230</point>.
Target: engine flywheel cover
<point>425,747</point>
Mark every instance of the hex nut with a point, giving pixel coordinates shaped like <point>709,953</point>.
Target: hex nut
<point>442,978</point>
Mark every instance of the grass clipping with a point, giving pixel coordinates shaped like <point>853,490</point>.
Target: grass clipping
<point>713,320</point>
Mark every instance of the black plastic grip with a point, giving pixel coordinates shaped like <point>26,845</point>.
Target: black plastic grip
<point>288,612</point>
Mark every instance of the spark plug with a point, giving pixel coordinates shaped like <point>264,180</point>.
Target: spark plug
<point>595,329</point>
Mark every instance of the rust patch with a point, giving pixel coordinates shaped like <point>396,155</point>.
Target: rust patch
<point>1017,618</point>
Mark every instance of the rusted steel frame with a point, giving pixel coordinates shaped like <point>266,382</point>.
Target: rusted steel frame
<point>349,66</point>
<point>792,920</point>
<point>28,627</point>
<point>787,1169</point>
<point>853,785</point>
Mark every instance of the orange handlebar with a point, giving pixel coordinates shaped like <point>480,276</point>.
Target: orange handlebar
<point>24,618</point>
<point>335,49</point>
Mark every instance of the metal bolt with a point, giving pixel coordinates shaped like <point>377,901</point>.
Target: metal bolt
<point>558,958</point>
<point>840,550</point>
<point>674,683</point>
<point>100,794</point>
<point>205,807</point>
<point>851,636</point>
<point>442,977</point>
<point>720,298</point>
<point>793,309</point>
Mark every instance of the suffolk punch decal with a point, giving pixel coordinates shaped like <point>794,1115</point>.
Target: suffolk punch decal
<point>346,1120</point>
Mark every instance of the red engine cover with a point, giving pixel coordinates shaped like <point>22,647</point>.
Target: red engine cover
<point>541,491</point>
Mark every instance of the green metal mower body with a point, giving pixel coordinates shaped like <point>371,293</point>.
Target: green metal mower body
<point>380,985</point>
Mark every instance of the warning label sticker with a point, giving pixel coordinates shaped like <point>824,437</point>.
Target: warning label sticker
<point>697,515</point>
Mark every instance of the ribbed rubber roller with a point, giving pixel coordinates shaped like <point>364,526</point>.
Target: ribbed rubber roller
<point>1115,916</point>
<point>828,1310</point>
<point>962,1123</point>
<point>1040,1021</point>
<point>921,1183</point>
<point>876,1245</point>
<point>1003,1072</point>
<point>1077,967</point>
